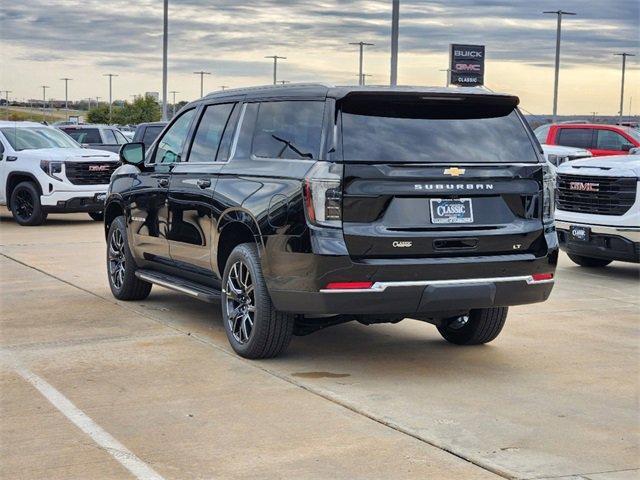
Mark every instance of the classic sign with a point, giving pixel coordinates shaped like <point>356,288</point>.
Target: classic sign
<point>466,65</point>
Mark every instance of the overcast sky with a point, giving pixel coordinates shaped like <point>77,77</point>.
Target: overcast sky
<point>44,40</point>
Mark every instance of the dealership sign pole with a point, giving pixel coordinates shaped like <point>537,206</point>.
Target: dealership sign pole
<point>466,65</point>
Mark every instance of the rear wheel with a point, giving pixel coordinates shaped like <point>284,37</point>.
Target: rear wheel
<point>255,329</point>
<point>25,205</point>
<point>121,267</point>
<point>588,261</point>
<point>97,216</point>
<point>477,327</point>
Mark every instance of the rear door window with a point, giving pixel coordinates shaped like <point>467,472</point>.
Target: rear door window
<point>206,141</point>
<point>610,140</point>
<point>289,129</point>
<point>575,137</point>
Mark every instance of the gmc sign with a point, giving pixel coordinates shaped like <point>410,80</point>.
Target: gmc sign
<point>466,64</point>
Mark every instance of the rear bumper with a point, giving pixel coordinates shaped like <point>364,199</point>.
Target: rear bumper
<point>605,242</point>
<point>423,297</point>
<point>297,281</point>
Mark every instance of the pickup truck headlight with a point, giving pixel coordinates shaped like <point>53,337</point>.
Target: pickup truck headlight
<point>548,194</point>
<point>51,168</point>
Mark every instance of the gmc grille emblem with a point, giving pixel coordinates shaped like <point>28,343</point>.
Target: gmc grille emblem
<point>98,168</point>
<point>584,186</point>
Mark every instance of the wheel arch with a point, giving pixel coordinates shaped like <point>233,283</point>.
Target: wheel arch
<point>112,211</point>
<point>234,228</point>
<point>16,177</point>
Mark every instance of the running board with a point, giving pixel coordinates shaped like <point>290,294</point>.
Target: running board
<point>206,294</point>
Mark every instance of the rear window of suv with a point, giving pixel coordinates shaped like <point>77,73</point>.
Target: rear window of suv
<point>84,135</point>
<point>419,129</point>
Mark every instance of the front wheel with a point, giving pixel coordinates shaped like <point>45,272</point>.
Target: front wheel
<point>588,261</point>
<point>121,267</point>
<point>477,327</point>
<point>255,329</point>
<point>25,205</point>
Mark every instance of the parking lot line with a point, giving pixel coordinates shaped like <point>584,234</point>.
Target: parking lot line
<point>81,420</point>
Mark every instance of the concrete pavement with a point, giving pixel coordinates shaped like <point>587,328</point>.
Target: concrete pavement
<point>556,395</point>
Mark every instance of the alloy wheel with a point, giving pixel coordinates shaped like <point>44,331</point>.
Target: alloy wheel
<point>240,302</point>
<point>117,259</point>
<point>24,205</point>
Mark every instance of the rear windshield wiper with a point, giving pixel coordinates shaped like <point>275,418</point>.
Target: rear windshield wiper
<point>288,144</point>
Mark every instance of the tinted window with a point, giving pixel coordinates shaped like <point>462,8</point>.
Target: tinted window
<point>84,135</point>
<point>150,134</point>
<point>210,129</point>
<point>575,137</point>
<point>109,137</point>
<point>418,130</point>
<point>610,140</point>
<point>243,147</point>
<point>172,142</point>
<point>227,137</point>
<point>288,130</point>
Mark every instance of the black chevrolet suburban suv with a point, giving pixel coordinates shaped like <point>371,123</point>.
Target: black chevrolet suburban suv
<point>302,206</point>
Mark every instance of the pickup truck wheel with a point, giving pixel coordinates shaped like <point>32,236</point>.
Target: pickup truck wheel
<point>255,329</point>
<point>479,326</point>
<point>97,216</point>
<point>25,205</point>
<point>121,267</point>
<point>588,261</point>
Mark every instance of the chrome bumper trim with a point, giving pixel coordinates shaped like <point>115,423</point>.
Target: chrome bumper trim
<point>382,286</point>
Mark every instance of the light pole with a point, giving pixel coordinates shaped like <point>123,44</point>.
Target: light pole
<point>66,95</point>
<point>44,101</point>
<point>174,102</point>
<point>275,66</point>
<point>6,100</point>
<point>448,70</point>
<point>224,87</point>
<point>559,13</point>
<point>624,56</point>
<point>202,73</point>
<point>165,42</point>
<point>110,75</point>
<point>363,76</point>
<point>395,31</point>
<point>361,45</point>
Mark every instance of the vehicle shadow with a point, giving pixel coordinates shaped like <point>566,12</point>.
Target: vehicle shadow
<point>618,270</point>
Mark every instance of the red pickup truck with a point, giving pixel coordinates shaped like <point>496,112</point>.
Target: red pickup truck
<point>597,138</point>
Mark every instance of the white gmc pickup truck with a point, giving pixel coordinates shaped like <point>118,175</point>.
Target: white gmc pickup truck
<point>598,210</point>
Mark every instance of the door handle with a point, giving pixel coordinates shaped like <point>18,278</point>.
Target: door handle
<point>203,183</point>
<point>163,182</point>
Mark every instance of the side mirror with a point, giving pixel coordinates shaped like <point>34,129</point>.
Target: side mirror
<point>634,151</point>
<point>132,153</point>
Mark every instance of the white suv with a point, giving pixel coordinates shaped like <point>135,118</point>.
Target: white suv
<point>598,210</point>
<point>43,170</point>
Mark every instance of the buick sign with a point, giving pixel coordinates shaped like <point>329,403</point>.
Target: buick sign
<point>466,64</point>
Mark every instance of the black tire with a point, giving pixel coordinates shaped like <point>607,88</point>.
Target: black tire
<point>25,205</point>
<point>588,261</point>
<point>482,326</point>
<point>97,216</point>
<point>123,282</point>
<point>268,332</point>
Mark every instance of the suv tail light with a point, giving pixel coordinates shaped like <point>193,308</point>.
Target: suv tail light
<point>548,194</point>
<point>323,195</point>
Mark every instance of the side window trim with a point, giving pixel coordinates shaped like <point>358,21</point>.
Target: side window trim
<point>236,134</point>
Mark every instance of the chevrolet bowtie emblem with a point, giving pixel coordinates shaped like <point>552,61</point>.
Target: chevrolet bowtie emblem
<point>454,171</point>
